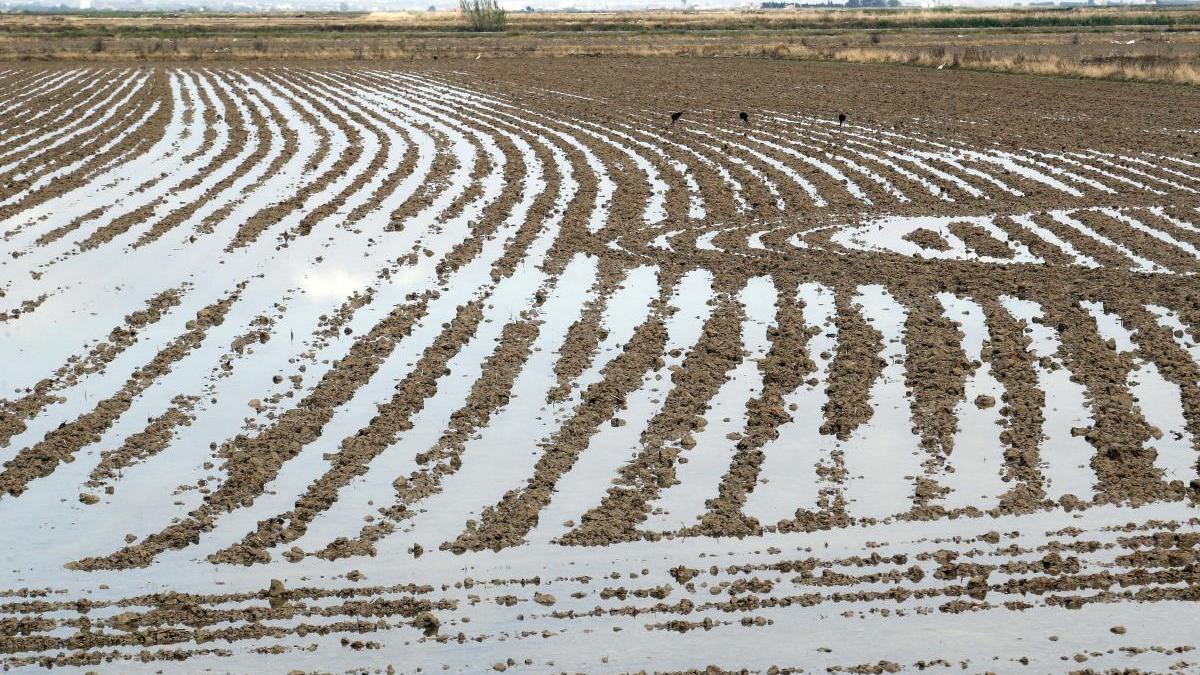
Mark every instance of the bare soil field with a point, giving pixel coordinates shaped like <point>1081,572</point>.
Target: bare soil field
<point>1149,44</point>
<point>484,364</point>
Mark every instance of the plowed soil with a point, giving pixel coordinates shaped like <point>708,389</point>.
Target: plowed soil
<point>488,365</point>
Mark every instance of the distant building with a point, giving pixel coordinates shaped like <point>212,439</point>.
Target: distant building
<point>86,4</point>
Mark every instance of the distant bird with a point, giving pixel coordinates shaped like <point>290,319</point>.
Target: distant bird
<point>745,117</point>
<point>841,119</point>
<point>675,118</point>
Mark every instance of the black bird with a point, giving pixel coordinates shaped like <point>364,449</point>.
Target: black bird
<point>675,118</point>
<point>841,119</point>
<point>745,117</point>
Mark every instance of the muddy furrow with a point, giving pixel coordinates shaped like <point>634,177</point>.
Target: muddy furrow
<point>936,372</point>
<point>680,200</point>
<point>581,210</point>
<point>488,394</point>
<point>60,445</point>
<point>722,197</point>
<point>785,368</point>
<point>116,214</point>
<point>508,522</point>
<point>856,365</point>
<point>30,91</point>
<point>202,156</point>
<point>156,219</point>
<point>516,143</point>
<point>285,137</point>
<point>1139,242</point>
<point>96,113</point>
<point>632,192</point>
<point>153,439</point>
<point>875,187</point>
<point>318,171</point>
<point>78,167</point>
<point>51,109</point>
<point>398,170</point>
<point>668,436</point>
<point>1124,462</point>
<point>252,461</point>
<point>13,413</point>
<point>1012,361</point>
<point>357,128</point>
<point>584,336</point>
<point>1172,222</point>
<point>356,452</point>
<point>1107,256</point>
<point>248,128</point>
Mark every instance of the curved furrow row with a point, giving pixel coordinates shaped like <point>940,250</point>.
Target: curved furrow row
<point>878,184</point>
<point>669,433</point>
<point>20,162</point>
<point>207,146</point>
<point>482,402</point>
<point>89,167</point>
<point>834,187</point>
<point>631,187</point>
<point>41,394</point>
<point>683,199</point>
<point>722,194</point>
<point>359,449</point>
<point>36,94</point>
<point>888,157</point>
<point>245,123</point>
<point>41,459</point>
<point>54,110</point>
<point>406,324</point>
<point>527,207</point>
<point>1029,172</point>
<point>98,219</point>
<point>604,388</point>
<point>323,174</point>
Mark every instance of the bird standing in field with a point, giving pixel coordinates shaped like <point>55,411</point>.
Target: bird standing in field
<point>745,117</point>
<point>841,118</point>
<point>675,118</point>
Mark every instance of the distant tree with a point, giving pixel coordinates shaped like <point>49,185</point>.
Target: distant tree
<point>484,15</point>
<point>893,3</point>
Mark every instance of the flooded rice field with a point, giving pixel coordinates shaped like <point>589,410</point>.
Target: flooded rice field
<point>341,368</point>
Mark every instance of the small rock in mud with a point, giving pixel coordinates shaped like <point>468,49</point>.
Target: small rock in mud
<point>427,622</point>
<point>683,574</point>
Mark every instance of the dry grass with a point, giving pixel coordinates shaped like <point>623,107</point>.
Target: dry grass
<point>174,24</point>
<point>1138,44</point>
<point>1147,68</point>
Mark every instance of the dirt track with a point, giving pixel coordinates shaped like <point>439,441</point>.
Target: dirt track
<point>483,364</point>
